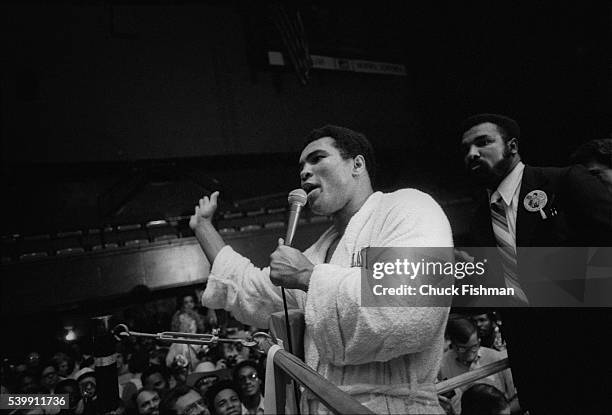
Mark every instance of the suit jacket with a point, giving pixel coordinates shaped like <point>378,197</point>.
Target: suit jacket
<point>559,361</point>
<point>579,215</point>
<point>582,203</point>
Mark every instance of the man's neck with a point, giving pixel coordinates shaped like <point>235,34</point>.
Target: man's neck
<point>493,185</point>
<point>342,217</point>
<point>252,402</point>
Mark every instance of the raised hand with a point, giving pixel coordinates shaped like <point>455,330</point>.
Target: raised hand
<point>289,268</point>
<point>204,211</point>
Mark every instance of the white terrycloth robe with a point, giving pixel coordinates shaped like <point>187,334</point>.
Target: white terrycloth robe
<point>386,357</point>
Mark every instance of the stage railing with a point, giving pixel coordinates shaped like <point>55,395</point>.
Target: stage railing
<point>472,376</point>
<point>289,366</point>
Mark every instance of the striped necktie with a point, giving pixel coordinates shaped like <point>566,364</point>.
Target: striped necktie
<point>506,248</point>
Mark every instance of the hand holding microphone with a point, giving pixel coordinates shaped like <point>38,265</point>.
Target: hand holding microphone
<point>289,268</point>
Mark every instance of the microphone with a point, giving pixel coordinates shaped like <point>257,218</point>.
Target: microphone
<point>297,200</point>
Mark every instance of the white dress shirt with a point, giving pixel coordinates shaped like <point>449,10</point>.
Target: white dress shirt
<point>508,190</point>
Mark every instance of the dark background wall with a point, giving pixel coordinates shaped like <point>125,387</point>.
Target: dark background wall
<point>110,83</point>
<point>178,97</point>
<point>89,91</point>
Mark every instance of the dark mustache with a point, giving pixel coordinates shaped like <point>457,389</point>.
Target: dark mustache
<point>475,162</point>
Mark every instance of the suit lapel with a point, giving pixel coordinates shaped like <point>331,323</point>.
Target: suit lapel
<point>527,222</point>
<point>481,227</point>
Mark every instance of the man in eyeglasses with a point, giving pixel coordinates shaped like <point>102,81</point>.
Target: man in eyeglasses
<point>249,382</point>
<point>184,400</point>
<point>466,354</point>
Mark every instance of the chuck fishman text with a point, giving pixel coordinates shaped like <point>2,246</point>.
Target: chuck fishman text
<point>431,290</point>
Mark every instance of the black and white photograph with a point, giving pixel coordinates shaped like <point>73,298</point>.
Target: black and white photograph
<point>306,207</point>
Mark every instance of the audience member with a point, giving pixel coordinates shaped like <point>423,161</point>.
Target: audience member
<point>147,402</point>
<point>72,389</point>
<point>130,382</point>
<point>48,377</point>
<point>184,400</point>
<point>487,325</point>
<point>33,362</point>
<point>204,376</point>
<point>466,355</point>
<point>64,364</point>
<point>179,369</point>
<point>483,399</point>
<point>27,382</point>
<point>154,378</point>
<point>186,319</point>
<point>249,384</point>
<point>224,399</point>
<point>86,378</point>
<point>234,353</point>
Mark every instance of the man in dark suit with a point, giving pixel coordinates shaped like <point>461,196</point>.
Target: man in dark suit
<point>558,358</point>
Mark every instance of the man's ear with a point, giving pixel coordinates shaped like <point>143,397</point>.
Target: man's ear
<point>513,145</point>
<point>359,165</point>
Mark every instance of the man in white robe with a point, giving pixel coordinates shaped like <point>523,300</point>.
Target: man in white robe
<point>386,357</point>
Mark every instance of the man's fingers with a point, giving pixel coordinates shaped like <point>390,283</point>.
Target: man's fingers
<point>281,242</point>
<point>214,197</point>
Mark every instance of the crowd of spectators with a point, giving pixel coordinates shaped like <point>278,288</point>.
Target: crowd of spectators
<point>155,377</point>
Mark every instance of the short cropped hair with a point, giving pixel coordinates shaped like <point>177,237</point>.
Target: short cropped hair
<point>214,390</point>
<point>152,369</point>
<point>167,404</point>
<point>483,399</point>
<point>460,330</point>
<point>508,128</point>
<point>349,143</point>
<point>594,150</point>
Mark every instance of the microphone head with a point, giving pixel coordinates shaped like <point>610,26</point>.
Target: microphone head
<point>297,197</point>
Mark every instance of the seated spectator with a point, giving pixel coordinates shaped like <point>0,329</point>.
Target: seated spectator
<point>154,378</point>
<point>48,377</point>
<point>130,382</point>
<point>186,320</point>
<point>224,398</point>
<point>71,388</point>
<point>483,399</point>
<point>147,402</point>
<point>234,353</point>
<point>488,329</point>
<point>86,379</point>
<point>249,384</point>
<point>28,383</point>
<point>184,400</point>
<point>64,365</point>
<point>204,376</point>
<point>179,369</point>
<point>466,355</point>
<point>157,355</point>
<point>34,362</point>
